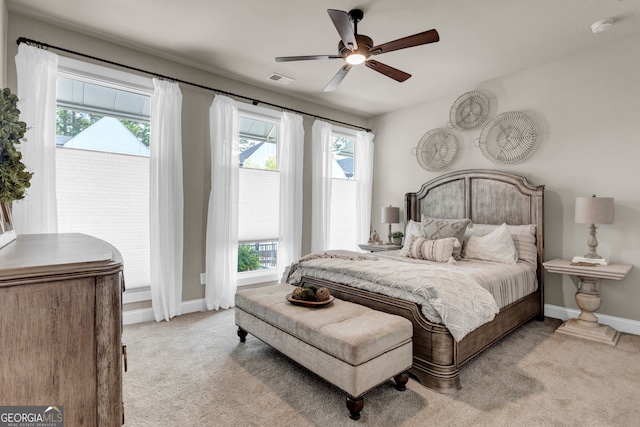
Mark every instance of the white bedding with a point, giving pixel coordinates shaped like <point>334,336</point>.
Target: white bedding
<point>458,296</point>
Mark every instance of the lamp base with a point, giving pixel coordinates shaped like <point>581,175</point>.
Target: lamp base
<point>599,261</point>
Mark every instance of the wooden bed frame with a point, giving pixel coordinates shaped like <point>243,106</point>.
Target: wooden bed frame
<point>486,197</point>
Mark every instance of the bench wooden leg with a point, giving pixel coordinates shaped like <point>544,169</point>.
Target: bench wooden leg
<point>354,406</point>
<point>401,381</point>
<point>242,334</point>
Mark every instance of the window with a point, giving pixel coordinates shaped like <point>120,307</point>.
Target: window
<point>343,221</point>
<point>259,187</point>
<point>102,162</point>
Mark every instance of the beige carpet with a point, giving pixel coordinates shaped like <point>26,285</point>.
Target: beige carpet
<point>193,371</point>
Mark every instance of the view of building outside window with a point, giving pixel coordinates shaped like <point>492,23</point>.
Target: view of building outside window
<point>342,151</point>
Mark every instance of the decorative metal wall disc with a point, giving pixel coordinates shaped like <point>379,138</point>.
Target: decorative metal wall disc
<point>508,138</point>
<point>469,111</point>
<point>436,150</point>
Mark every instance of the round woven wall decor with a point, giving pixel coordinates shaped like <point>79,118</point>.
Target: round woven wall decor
<point>508,138</point>
<point>469,111</point>
<point>436,150</point>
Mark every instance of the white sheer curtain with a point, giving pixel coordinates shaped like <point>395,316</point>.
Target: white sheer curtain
<point>37,72</point>
<point>321,174</point>
<point>166,200</point>
<point>364,183</point>
<point>222,218</point>
<point>290,158</point>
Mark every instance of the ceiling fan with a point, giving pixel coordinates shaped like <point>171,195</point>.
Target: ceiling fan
<point>357,48</point>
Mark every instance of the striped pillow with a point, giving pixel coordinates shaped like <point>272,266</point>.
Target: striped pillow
<point>440,250</point>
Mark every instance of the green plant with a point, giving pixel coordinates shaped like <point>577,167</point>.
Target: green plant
<point>248,258</point>
<point>397,234</point>
<point>270,163</point>
<point>14,179</point>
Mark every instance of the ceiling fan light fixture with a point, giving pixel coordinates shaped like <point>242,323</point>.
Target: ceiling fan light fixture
<point>355,58</point>
<point>602,25</point>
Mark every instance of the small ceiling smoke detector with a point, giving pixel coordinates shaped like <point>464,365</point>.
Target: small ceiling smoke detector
<point>279,78</point>
<point>602,25</point>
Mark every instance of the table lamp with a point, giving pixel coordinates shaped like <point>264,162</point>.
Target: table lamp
<point>390,215</point>
<point>593,210</point>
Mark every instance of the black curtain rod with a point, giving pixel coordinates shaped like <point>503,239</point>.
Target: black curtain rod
<point>42,45</point>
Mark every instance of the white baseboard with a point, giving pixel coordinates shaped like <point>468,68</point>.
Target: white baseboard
<point>617,323</point>
<point>142,315</point>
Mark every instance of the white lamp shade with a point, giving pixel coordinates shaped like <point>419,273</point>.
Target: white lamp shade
<point>594,210</point>
<point>390,215</point>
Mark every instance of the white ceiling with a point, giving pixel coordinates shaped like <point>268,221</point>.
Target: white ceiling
<point>479,39</point>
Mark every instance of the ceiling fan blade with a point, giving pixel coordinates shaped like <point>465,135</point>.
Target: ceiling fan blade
<point>430,36</point>
<point>342,23</point>
<point>337,79</point>
<point>388,71</point>
<point>306,58</point>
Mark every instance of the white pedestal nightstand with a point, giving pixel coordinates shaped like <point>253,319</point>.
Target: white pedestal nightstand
<point>378,248</point>
<point>588,298</point>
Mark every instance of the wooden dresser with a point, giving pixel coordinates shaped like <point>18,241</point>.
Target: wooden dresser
<point>61,326</point>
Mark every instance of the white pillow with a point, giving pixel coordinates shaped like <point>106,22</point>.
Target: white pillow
<point>524,239</point>
<point>495,246</point>
<point>413,228</point>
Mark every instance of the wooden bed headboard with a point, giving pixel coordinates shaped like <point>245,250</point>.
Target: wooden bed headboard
<point>485,197</point>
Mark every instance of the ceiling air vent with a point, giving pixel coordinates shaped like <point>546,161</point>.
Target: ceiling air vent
<point>279,78</point>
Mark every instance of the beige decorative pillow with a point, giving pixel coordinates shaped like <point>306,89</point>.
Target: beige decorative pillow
<point>524,239</point>
<point>440,250</point>
<point>495,246</point>
<point>435,228</point>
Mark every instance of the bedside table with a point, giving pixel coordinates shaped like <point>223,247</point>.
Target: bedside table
<point>588,298</point>
<point>378,248</point>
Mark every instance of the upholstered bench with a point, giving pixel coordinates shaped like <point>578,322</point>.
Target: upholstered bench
<point>351,346</point>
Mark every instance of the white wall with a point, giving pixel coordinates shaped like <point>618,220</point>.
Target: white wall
<point>587,110</point>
